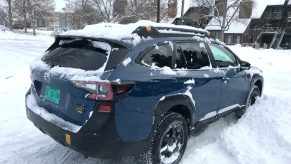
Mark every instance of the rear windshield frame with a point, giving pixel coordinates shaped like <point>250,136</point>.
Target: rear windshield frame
<point>118,52</point>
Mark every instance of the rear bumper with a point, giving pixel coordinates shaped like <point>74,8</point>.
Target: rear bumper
<point>103,143</point>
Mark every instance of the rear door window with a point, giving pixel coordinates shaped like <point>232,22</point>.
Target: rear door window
<point>159,55</point>
<point>85,54</point>
<point>191,55</point>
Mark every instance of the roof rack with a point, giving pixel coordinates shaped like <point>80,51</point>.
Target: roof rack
<point>156,32</point>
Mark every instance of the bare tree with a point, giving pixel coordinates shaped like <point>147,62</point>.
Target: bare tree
<point>224,12</point>
<point>228,15</point>
<point>105,8</point>
<point>139,8</point>
<point>3,15</point>
<point>19,14</point>
<point>39,9</point>
<point>147,9</point>
<point>119,8</point>
<point>10,20</point>
<point>24,4</point>
<point>199,14</point>
<point>81,13</point>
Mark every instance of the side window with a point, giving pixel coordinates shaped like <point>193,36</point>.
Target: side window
<point>160,55</point>
<point>222,56</point>
<point>191,56</point>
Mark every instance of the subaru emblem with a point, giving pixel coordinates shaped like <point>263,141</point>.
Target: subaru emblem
<point>46,77</point>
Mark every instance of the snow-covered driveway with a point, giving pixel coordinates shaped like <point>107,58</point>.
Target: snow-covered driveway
<point>261,136</point>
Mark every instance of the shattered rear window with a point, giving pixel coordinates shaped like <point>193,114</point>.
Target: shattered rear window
<point>84,54</point>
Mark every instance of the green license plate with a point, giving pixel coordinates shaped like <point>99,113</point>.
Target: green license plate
<point>52,94</point>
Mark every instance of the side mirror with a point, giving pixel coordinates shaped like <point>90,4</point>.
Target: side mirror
<point>245,65</point>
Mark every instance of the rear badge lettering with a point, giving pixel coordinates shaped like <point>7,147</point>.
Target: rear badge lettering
<point>46,77</point>
<point>80,108</point>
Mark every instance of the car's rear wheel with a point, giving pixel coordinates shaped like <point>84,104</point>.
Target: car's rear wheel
<point>252,97</point>
<point>168,142</point>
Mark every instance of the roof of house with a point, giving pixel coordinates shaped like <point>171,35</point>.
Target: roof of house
<point>187,5</point>
<point>237,26</point>
<point>260,6</point>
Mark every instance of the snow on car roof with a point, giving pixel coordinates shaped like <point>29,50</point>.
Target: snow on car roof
<point>120,31</point>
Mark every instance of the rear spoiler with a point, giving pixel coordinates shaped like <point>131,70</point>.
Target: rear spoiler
<point>112,42</point>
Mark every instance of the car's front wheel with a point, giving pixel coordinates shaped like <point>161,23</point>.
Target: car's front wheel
<point>252,97</point>
<point>168,142</point>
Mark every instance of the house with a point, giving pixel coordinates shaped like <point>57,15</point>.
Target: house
<point>237,31</point>
<point>273,26</point>
<point>60,21</point>
<point>256,21</point>
<point>60,17</point>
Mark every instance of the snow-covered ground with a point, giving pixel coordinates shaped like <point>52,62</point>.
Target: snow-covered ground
<point>262,135</point>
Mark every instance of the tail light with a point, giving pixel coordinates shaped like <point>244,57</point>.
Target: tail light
<point>97,90</point>
<point>104,108</point>
<point>102,90</point>
<point>119,89</point>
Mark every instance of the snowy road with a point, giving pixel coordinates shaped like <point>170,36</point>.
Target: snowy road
<point>261,136</point>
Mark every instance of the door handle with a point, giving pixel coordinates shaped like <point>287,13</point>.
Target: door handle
<point>225,80</point>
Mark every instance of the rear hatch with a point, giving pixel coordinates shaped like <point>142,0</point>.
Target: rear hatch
<point>69,59</point>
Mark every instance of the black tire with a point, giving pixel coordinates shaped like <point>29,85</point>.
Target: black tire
<point>169,140</point>
<point>252,97</point>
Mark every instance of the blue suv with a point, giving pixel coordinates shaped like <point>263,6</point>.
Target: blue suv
<point>140,95</point>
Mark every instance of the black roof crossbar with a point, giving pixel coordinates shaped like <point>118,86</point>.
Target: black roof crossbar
<point>156,32</point>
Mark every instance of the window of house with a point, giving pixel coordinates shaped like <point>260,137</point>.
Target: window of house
<point>222,57</point>
<point>238,39</point>
<point>216,34</point>
<point>225,39</point>
<point>229,39</point>
<point>234,38</point>
<point>159,55</point>
<point>191,56</point>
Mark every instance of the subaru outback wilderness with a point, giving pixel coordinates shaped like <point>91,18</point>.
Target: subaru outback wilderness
<point>140,90</point>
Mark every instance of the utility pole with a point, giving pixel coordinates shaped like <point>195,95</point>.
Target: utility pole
<point>10,14</point>
<point>158,10</point>
<point>182,13</point>
<point>24,15</point>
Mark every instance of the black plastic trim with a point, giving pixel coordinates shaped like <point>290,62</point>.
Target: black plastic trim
<point>170,101</point>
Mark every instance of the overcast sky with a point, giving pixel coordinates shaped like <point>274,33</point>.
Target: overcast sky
<point>59,5</point>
